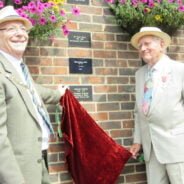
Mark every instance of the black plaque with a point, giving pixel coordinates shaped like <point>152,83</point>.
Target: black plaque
<point>79,39</point>
<point>82,93</point>
<point>80,65</point>
<point>86,2</point>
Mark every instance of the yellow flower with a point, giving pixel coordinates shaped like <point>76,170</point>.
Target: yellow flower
<point>57,1</point>
<point>158,18</point>
<point>56,8</point>
<point>61,1</point>
<point>147,10</point>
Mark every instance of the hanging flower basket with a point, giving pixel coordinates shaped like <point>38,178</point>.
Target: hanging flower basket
<point>48,17</point>
<point>131,15</point>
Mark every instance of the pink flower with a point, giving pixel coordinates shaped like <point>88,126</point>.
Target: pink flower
<point>18,1</point>
<point>144,1</point>
<point>1,4</point>
<point>45,14</point>
<point>32,21</point>
<point>25,8</point>
<point>42,21</point>
<point>151,4</point>
<point>53,18</point>
<point>75,11</point>
<point>110,1</point>
<point>20,11</point>
<point>180,2</point>
<point>33,10</point>
<point>181,8</point>
<point>65,30</point>
<point>24,15</point>
<point>46,5</point>
<point>62,13</point>
<point>134,3</point>
<point>40,8</point>
<point>31,5</point>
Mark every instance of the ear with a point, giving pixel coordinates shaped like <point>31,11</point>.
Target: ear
<point>162,43</point>
<point>163,47</point>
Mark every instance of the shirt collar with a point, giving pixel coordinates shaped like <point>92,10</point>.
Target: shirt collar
<point>162,63</point>
<point>11,59</point>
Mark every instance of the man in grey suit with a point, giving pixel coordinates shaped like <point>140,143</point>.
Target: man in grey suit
<point>159,109</point>
<point>24,123</point>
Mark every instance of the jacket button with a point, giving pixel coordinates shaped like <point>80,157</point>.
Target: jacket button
<point>39,161</point>
<point>39,139</point>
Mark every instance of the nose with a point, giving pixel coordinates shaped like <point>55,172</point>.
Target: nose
<point>142,47</point>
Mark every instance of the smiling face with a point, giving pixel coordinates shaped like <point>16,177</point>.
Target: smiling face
<point>151,49</point>
<point>14,38</point>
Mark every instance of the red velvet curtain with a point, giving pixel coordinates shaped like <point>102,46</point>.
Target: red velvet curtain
<point>92,156</point>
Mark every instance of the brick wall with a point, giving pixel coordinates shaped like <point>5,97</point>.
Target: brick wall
<point>114,65</point>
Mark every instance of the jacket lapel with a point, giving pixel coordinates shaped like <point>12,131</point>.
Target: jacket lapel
<point>12,75</point>
<point>165,80</point>
<point>140,86</point>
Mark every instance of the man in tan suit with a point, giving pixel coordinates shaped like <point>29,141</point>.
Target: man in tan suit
<point>159,109</point>
<point>24,122</point>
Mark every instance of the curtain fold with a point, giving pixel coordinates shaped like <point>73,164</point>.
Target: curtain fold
<point>92,156</point>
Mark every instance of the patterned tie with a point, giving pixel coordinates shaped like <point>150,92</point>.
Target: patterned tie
<point>148,92</point>
<point>35,98</point>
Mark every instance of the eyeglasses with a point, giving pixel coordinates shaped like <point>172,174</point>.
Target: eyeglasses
<point>14,30</point>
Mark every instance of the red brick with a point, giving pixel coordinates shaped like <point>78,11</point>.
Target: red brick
<point>135,177</point>
<point>100,116</point>
<point>104,54</point>
<point>105,89</point>
<point>54,70</point>
<point>76,52</point>
<point>120,133</point>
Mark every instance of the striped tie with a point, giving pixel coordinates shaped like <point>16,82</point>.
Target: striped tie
<point>35,99</point>
<point>148,92</point>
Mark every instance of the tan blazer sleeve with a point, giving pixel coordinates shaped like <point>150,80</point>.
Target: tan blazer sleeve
<point>10,172</point>
<point>49,96</point>
<point>137,134</point>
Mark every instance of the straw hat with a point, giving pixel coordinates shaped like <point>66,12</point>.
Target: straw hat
<point>150,31</point>
<point>8,13</point>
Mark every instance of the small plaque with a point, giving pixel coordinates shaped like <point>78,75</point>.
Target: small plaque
<point>82,93</point>
<point>86,2</point>
<point>80,65</point>
<point>79,39</point>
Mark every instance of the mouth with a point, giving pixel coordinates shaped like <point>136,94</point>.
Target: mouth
<point>19,44</point>
<point>19,41</point>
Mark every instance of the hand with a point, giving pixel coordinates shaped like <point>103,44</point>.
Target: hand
<point>134,149</point>
<point>62,89</point>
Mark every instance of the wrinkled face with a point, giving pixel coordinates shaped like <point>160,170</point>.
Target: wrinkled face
<point>150,49</point>
<point>14,38</point>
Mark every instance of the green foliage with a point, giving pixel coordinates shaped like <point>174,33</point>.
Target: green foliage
<point>140,158</point>
<point>131,15</point>
<point>11,2</point>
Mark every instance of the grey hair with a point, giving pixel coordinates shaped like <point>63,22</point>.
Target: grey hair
<point>156,38</point>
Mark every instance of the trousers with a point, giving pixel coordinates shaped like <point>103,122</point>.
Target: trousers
<point>45,174</point>
<point>158,173</point>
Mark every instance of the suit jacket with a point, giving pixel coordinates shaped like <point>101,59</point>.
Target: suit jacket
<point>163,127</point>
<point>20,132</point>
